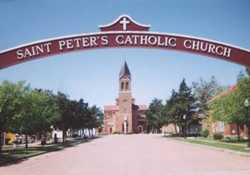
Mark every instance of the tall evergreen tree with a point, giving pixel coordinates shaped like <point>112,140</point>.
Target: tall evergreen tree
<point>182,106</point>
<point>170,109</point>
<point>155,116</point>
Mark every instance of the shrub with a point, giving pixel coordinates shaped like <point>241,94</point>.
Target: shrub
<point>218,136</point>
<point>116,132</point>
<point>232,139</point>
<point>204,133</point>
<point>226,139</point>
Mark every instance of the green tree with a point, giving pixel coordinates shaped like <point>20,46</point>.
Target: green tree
<point>204,91</point>
<point>244,93</point>
<point>155,115</point>
<point>37,115</point>
<point>11,96</point>
<point>75,114</point>
<point>93,118</point>
<point>182,108</point>
<point>171,109</point>
<point>80,114</point>
<point>46,111</point>
<point>96,116</point>
<point>65,120</point>
<point>187,106</point>
<point>230,107</point>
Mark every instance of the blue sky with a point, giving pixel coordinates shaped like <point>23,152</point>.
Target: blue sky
<point>93,75</point>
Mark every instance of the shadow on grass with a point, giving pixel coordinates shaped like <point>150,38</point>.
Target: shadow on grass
<point>9,157</point>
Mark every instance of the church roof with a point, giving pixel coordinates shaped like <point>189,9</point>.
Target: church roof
<point>125,71</point>
<point>143,107</point>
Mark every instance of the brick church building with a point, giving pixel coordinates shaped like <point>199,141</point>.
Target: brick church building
<point>125,116</point>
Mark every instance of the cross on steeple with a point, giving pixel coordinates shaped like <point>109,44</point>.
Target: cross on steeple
<point>124,23</point>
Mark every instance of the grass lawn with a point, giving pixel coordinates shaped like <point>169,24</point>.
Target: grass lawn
<point>238,146</point>
<point>10,156</point>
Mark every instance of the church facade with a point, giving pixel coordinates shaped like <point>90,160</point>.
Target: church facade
<point>125,116</point>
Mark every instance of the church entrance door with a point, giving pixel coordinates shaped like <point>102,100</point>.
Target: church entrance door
<point>140,129</point>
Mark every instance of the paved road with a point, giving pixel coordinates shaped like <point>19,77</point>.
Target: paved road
<point>133,155</point>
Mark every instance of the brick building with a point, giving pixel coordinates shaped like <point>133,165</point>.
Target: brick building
<point>125,116</point>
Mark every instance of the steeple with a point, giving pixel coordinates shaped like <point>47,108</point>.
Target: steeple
<point>124,79</point>
<point>124,72</point>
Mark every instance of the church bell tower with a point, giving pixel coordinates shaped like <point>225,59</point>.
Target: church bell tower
<point>125,100</point>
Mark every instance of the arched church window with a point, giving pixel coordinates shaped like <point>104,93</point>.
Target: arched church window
<point>122,85</point>
<point>126,86</point>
